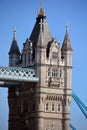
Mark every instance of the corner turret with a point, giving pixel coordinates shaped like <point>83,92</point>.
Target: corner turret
<point>14,53</point>
<point>66,55</point>
<point>66,43</point>
<point>66,49</point>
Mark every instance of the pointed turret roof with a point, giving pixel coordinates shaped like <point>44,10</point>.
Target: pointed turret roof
<point>36,32</point>
<point>66,43</point>
<point>14,46</point>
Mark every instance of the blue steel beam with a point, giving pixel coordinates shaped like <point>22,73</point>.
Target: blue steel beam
<point>77,98</point>
<point>81,108</point>
<point>71,126</point>
<point>9,84</point>
<point>80,104</point>
<point>15,74</point>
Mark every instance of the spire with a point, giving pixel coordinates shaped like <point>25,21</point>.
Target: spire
<point>14,38</point>
<point>67,27</point>
<point>41,12</point>
<point>41,29</point>
<point>40,3</point>
<point>66,43</point>
<point>14,46</point>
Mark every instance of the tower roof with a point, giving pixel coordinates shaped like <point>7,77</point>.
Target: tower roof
<point>36,32</point>
<point>66,43</point>
<point>14,46</point>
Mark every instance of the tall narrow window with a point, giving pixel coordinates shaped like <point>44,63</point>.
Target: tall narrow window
<point>52,107</point>
<point>47,107</point>
<point>28,57</point>
<point>60,73</point>
<point>18,109</point>
<point>25,58</point>
<point>48,72</point>
<point>25,106</point>
<point>33,107</point>
<point>58,107</point>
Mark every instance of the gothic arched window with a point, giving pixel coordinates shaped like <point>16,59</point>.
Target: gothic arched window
<point>25,106</point>
<point>58,107</point>
<point>52,107</point>
<point>47,106</point>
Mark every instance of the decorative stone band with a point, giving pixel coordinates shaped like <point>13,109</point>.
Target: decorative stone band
<point>15,74</point>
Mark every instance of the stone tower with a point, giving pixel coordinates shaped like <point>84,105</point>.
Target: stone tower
<point>44,105</point>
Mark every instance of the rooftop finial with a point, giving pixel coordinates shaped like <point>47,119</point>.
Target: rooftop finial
<point>67,26</point>
<point>14,33</point>
<point>41,12</point>
<point>40,4</point>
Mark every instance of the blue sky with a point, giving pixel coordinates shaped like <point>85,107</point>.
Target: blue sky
<point>22,14</point>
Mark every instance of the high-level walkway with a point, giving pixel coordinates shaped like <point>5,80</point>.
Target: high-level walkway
<point>15,74</point>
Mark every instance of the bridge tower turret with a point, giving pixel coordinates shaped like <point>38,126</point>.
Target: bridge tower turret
<point>14,53</point>
<point>66,52</point>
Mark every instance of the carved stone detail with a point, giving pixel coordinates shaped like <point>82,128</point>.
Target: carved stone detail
<point>52,125</point>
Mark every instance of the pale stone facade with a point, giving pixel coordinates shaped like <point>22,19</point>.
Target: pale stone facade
<point>44,105</point>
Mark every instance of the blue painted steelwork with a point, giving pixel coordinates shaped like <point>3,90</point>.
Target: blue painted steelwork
<point>16,74</point>
<point>9,84</point>
<point>81,105</point>
<point>71,126</point>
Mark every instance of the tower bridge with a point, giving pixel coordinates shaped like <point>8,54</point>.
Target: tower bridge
<point>31,72</point>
